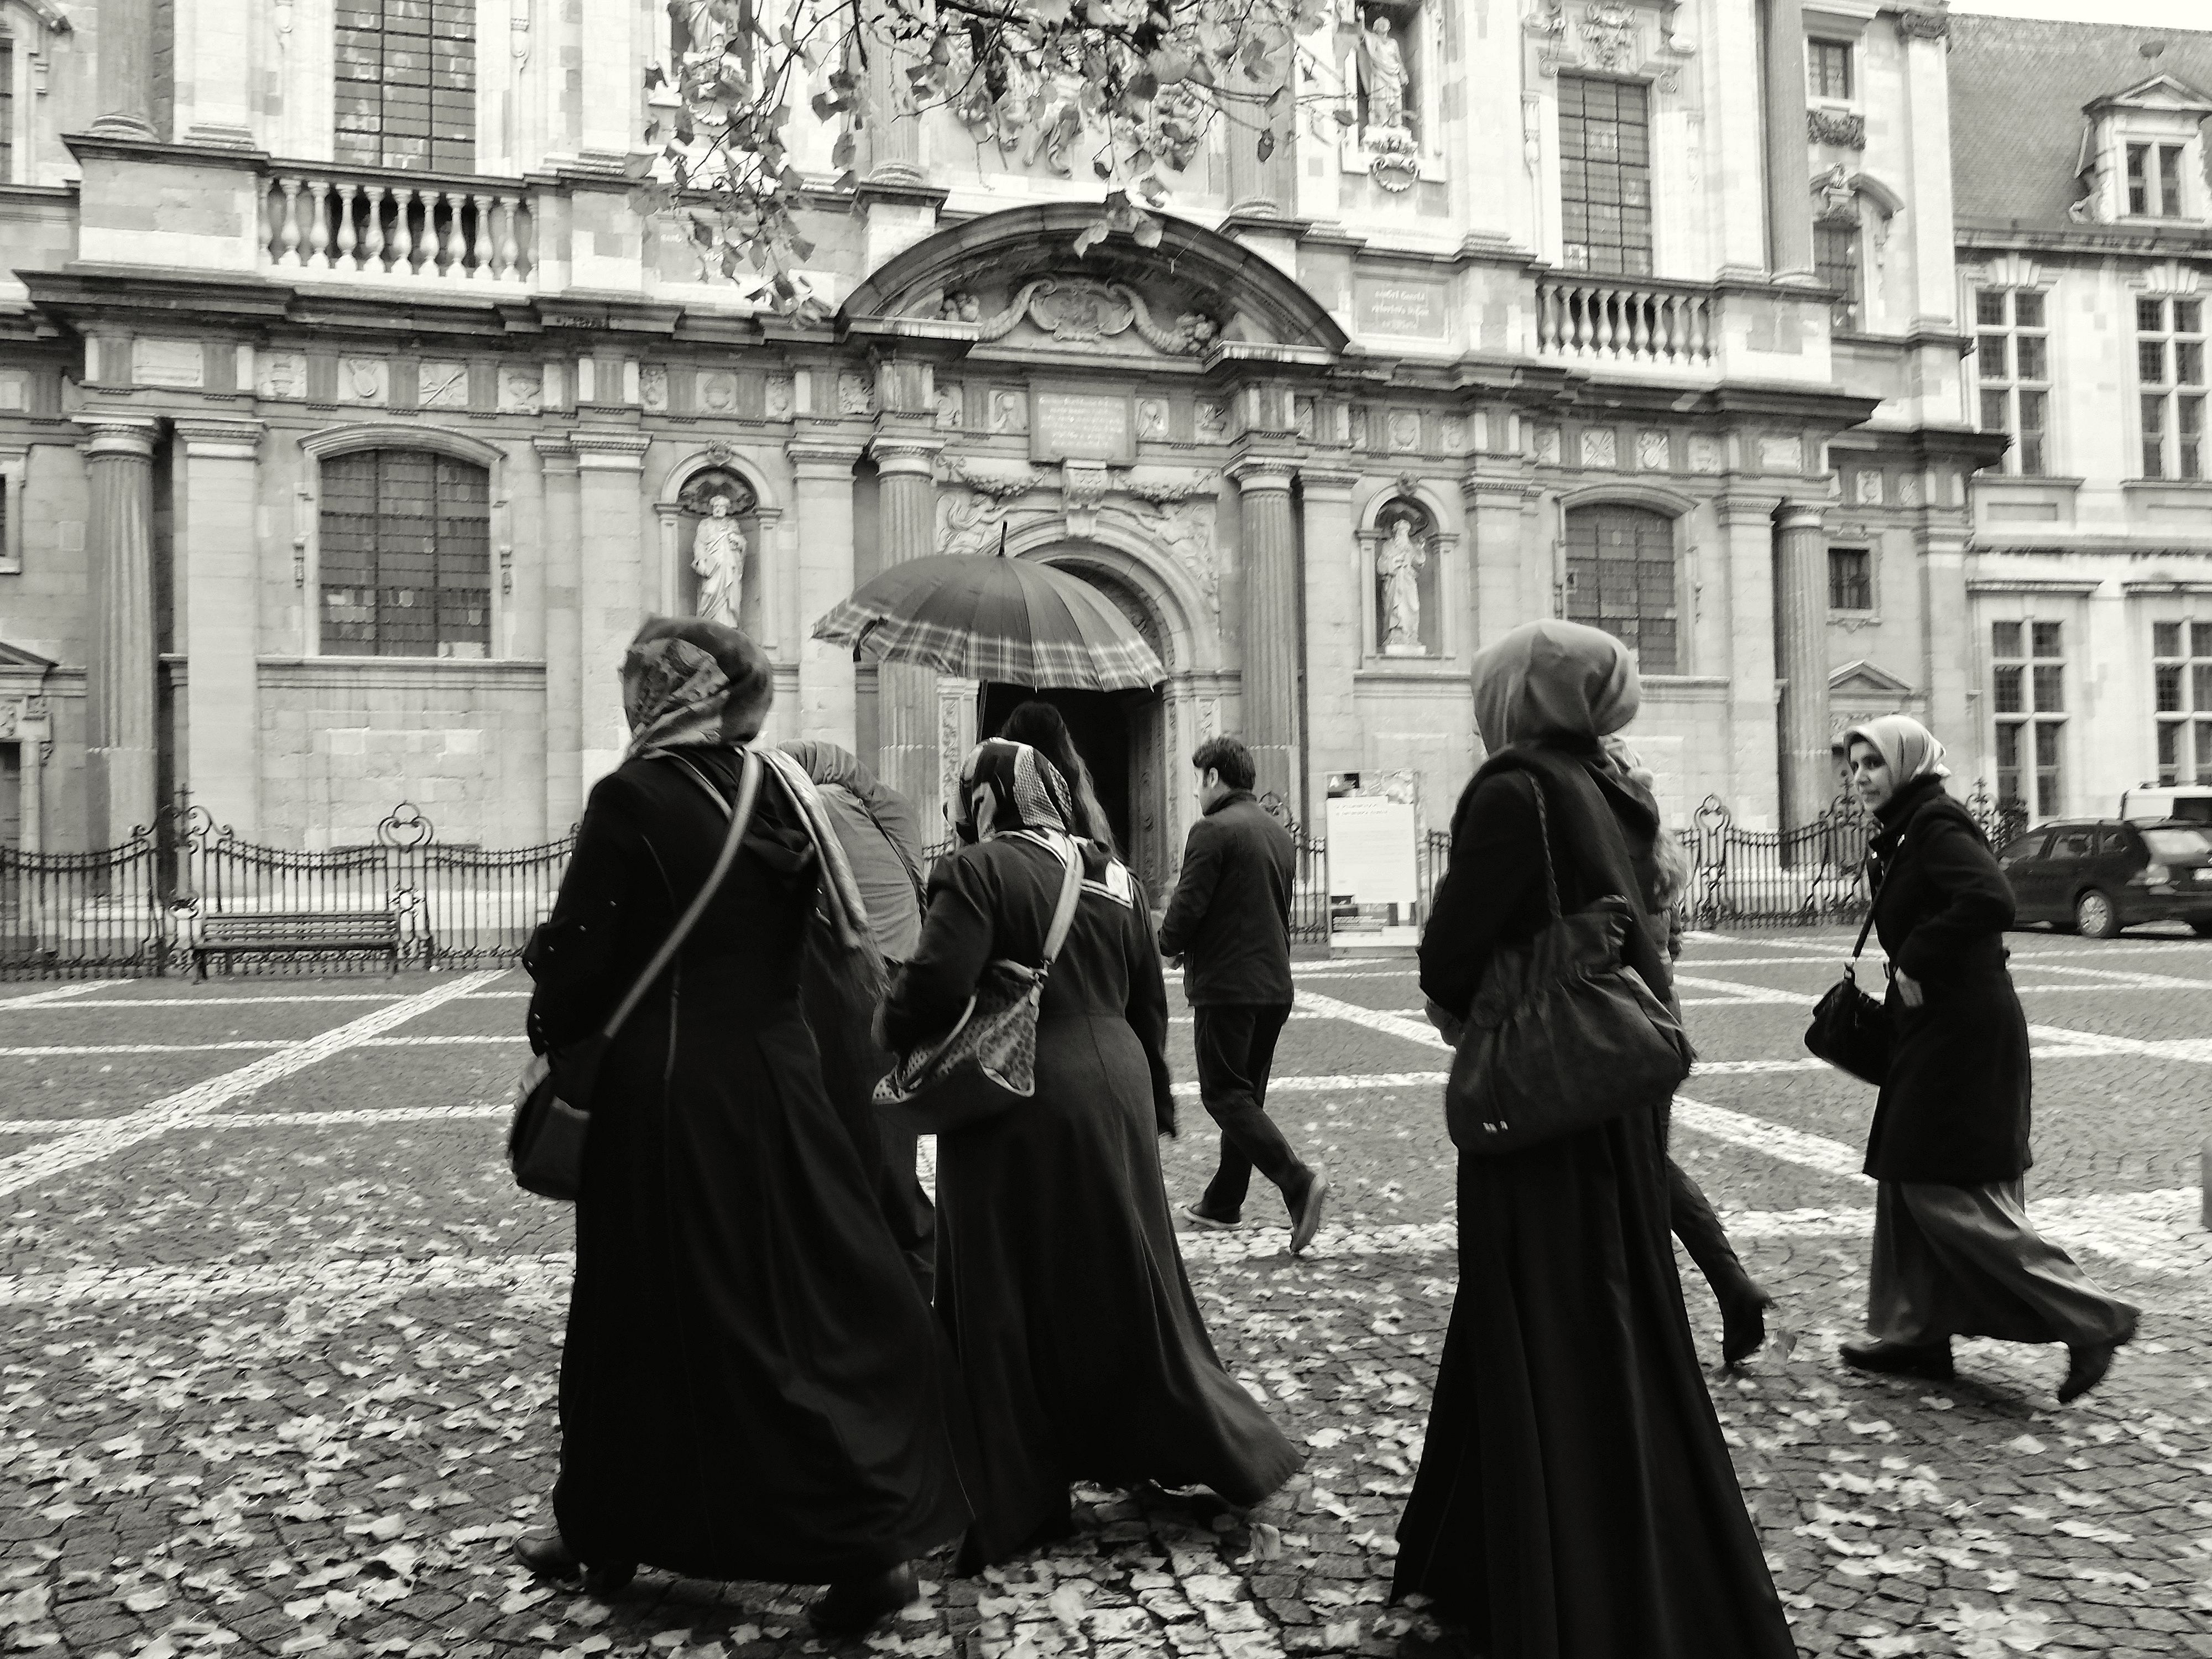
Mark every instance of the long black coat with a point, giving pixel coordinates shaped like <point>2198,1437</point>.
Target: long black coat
<point>1230,919</point>
<point>1955,1109</point>
<point>751,1386</point>
<point>1082,1349</point>
<point>1575,1499</point>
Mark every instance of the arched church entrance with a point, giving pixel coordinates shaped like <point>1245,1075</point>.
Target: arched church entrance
<point>1121,735</point>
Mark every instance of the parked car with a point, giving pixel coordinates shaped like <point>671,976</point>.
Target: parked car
<point>2096,875</point>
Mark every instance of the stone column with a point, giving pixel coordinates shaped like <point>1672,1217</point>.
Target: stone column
<point>828,706</point>
<point>1334,568</point>
<point>124,93</point>
<point>1928,196</point>
<point>1788,166</point>
<point>558,509</point>
<point>1801,612</point>
<point>611,587</point>
<point>1268,545</point>
<point>906,468</point>
<point>119,656</point>
<point>1749,787</point>
<point>217,569</point>
<point>892,131</point>
<point>1258,189</point>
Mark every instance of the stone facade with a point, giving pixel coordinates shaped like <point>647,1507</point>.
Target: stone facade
<point>1222,432</point>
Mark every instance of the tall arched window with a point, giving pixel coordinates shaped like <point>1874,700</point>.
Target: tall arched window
<point>1621,577</point>
<point>405,556</point>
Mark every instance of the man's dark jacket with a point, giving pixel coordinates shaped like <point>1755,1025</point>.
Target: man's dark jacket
<point>1230,920</point>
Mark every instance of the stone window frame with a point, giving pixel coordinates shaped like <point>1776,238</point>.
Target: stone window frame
<point>2190,719</point>
<point>15,500</point>
<point>2032,719</point>
<point>1676,508</point>
<point>1866,547</point>
<point>30,26</point>
<point>2181,457</point>
<point>2011,383</point>
<point>317,447</point>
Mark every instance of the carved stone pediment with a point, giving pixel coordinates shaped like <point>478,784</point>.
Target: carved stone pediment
<point>1087,312</point>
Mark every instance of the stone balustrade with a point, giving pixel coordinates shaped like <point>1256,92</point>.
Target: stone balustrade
<point>394,225</point>
<point>1625,319</point>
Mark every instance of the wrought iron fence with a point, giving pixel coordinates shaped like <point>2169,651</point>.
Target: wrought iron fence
<point>140,908</point>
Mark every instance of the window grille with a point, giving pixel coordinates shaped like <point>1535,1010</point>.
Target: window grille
<point>2011,366</point>
<point>405,568</point>
<point>1605,175</point>
<point>406,93</point>
<point>1621,577</point>
<point>2028,698</point>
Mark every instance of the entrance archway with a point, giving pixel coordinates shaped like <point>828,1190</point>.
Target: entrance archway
<point>1122,736</point>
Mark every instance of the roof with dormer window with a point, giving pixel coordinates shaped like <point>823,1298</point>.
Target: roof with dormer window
<point>2022,92</point>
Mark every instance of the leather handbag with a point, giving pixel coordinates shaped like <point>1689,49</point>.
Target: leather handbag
<point>1850,1029</point>
<point>1563,1035</point>
<point>553,1104</point>
<point>987,1063</point>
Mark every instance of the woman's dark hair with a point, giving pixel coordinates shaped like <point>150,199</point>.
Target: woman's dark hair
<point>1228,757</point>
<point>1039,724</point>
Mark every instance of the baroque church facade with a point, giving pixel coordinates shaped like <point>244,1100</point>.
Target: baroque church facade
<point>350,421</point>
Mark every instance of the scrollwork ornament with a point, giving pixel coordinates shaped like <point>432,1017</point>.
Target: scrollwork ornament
<point>1925,25</point>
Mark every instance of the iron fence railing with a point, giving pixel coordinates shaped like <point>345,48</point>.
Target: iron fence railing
<point>139,908</point>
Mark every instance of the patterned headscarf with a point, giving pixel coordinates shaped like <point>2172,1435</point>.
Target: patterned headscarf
<point>1009,786</point>
<point>689,683</point>
<point>1552,682</point>
<point>1909,748</point>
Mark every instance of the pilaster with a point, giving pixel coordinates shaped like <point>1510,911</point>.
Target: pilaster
<point>1505,591</point>
<point>215,51</point>
<point>559,507</point>
<point>1746,521</point>
<point>1269,545</point>
<point>828,704</point>
<point>120,713</point>
<point>1789,189</point>
<point>1334,618</point>
<point>125,89</point>
<point>906,471</point>
<point>611,583</point>
<point>217,564</point>
<point>1800,605</point>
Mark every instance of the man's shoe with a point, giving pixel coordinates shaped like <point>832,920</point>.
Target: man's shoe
<point>2085,1365</point>
<point>1198,1218</point>
<point>1743,1325</point>
<point>546,1555</point>
<point>1305,1215</point>
<point>1930,1359</point>
<point>855,1606</point>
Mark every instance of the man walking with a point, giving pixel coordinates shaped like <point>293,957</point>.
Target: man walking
<point>1229,920</point>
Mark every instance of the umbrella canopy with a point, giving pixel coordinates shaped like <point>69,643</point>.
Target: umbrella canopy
<point>994,618</point>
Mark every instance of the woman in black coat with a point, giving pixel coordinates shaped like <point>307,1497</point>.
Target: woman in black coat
<point>751,1384</point>
<point>1082,1351</point>
<point>1954,1254</point>
<point>1575,1499</point>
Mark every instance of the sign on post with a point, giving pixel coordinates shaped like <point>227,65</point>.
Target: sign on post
<point>1374,869</point>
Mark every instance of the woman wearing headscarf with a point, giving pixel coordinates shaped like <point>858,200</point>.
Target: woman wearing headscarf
<point>751,1383</point>
<point>1044,728</point>
<point>1575,1499</point>
<point>1059,1279</point>
<point>1954,1254</point>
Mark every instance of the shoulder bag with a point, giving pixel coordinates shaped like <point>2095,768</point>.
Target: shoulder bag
<point>1851,1031</point>
<point>987,1061</point>
<point>1563,1035</point>
<point>553,1109</point>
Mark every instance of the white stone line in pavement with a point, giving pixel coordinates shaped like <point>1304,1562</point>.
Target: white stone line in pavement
<point>9,1005</point>
<point>58,994</point>
<point>430,1040</point>
<point>2151,1231</point>
<point>1830,1157</point>
<point>1375,1019</point>
<point>110,1135</point>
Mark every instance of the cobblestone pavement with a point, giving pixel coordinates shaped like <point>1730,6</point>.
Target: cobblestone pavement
<point>280,1341</point>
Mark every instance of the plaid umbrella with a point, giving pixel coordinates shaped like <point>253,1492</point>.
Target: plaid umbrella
<point>994,618</point>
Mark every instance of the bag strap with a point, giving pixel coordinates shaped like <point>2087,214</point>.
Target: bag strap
<point>1873,894</point>
<point>1071,890</point>
<point>1544,839</point>
<point>740,817</point>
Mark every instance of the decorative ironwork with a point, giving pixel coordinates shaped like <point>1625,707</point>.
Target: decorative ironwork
<point>137,908</point>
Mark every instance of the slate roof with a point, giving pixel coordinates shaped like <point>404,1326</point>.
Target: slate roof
<point>2018,86</point>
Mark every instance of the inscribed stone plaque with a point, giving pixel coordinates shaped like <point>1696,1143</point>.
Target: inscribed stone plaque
<point>1080,426</point>
<point>168,362</point>
<point>1402,307</point>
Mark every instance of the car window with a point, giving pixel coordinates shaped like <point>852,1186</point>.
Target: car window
<point>2113,839</point>
<point>2166,844</point>
<point>2029,846</point>
<point>2071,844</point>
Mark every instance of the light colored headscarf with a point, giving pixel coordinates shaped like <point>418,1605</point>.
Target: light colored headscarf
<point>689,683</point>
<point>1549,681</point>
<point>1005,786</point>
<point>1909,747</point>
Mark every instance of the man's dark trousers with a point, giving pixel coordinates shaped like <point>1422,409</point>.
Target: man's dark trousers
<point>1235,1044</point>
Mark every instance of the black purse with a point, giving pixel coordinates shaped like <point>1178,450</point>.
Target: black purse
<point>1851,1031</point>
<point>553,1107</point>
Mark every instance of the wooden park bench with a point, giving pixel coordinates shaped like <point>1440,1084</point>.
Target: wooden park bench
<point>230,935</point>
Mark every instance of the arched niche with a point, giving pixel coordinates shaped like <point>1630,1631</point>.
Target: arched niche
<point>689,542</point>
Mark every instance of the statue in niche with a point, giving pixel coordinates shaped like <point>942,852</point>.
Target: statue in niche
<point>718,556</point>
<point>1399,564</point>
<point>1382,76</point>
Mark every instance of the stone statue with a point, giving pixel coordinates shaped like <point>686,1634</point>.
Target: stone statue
<point>718,555</point>
<point>1399,563</point>
<point>1382,72</point>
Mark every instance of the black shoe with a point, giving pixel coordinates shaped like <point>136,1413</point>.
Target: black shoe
<point>2085,1365</point>
<point>1929,1360</point>
<point>1743,1324</point>
<point>854,1606</point>
<point>1305,1215</point>
<point>604,1583</point>
<point>1198,1218</point>
<point>544,1554</point>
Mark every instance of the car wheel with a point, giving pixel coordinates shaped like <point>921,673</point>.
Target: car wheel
<point>2095,916</point>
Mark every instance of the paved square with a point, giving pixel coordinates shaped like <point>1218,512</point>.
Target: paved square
<point>281,1340</point>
